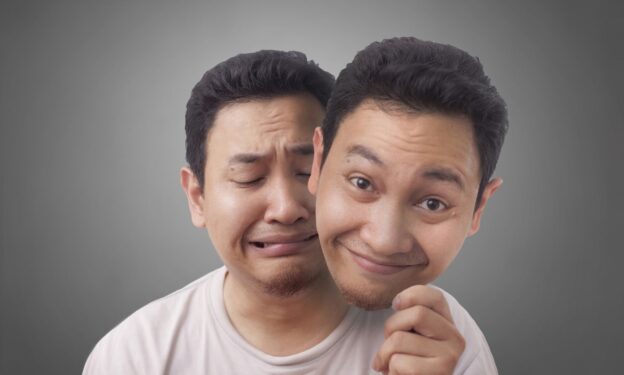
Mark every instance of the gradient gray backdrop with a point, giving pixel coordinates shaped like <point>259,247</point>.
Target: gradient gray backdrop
<point>94,223</point>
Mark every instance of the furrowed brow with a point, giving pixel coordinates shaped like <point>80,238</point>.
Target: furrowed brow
<point>445,175</point>
<point>303,149</point>
<point>365,153</point>
<point>244,159</point>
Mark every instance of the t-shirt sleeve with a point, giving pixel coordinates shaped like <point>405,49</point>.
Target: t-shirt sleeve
<point>158,338</point>
<point>127,349</point>
<point>109,357</point>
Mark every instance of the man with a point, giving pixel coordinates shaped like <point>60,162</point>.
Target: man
<point>402,173</point>
<point>273,308</point>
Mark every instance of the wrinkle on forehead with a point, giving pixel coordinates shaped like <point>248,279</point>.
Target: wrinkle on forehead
<point>404,138</point>
<point>276,120</point>
<point>297,109</point>
<point>258,122</point>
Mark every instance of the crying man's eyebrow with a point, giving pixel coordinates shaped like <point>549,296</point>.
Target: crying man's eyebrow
<point>245,158</point>
<point>302,149</point>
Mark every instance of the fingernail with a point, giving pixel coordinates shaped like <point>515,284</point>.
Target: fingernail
<point>396,302</point>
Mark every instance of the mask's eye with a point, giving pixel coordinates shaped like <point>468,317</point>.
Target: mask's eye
<point>433,205</point>
<point>361,183</point>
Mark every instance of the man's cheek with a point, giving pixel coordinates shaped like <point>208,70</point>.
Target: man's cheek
<point>340,208</point>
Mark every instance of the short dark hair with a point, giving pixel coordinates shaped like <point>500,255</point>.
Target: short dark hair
<point>250,76</point>
<point>421,76</point>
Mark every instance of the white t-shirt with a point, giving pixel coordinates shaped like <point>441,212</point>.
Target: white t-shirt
<point>189,332</point>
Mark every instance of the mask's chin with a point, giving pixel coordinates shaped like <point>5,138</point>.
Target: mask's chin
<point>365,299</point>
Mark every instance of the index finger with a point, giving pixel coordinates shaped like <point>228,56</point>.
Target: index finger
<point>425,296</point>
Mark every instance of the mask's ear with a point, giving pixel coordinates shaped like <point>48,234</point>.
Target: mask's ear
<point>488,191</point>
<point>194,196</point>
<point>317,140</point>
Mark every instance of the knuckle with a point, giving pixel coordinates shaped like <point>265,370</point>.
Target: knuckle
<point>398,367</point>
<point>453,358</point>
<point>446,366</point>
<point>395,340</point>
<point>412,293</point>
<point>418,315</point>
<point>461,343</point>
<point>383,353</point>
<point>448,362</point>
<point>387,327</point>
<point>438,297</point>
<point>420,289</point>
<point>393,365</point>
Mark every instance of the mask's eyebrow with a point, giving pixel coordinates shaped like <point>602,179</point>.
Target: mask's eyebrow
<point>445,175</point>
<point>365,153</point>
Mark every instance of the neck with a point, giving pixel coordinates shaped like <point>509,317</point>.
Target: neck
<point>279,325</point>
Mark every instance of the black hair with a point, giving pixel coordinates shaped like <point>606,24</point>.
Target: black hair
<point>250,76</point>
<point>426,77</point>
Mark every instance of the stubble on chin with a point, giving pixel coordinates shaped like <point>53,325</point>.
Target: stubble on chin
<point>289,282</point>
<point>365,299</point>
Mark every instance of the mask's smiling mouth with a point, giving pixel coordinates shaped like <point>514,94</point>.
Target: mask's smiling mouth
<point>378,266</point>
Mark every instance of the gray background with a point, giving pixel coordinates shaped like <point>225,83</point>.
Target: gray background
<point>94,224</point>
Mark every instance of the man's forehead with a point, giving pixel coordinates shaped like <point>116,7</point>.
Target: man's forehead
<point>272,113</point>
<point>434,142</point>
<point>248,131</point>
<point>258,120</point>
